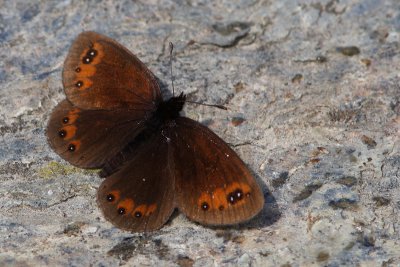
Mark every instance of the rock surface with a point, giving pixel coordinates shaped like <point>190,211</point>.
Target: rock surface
<point>313,93</point>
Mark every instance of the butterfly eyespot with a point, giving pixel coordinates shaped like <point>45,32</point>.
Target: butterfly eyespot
<point>235,196</point>
<point>110,197</point>
<point>91,53</point>
<point>205,206</point>
<point>238,194</point>
<point>94,110</point>
<point>79,84</point>
<point>121,211</point>
<point>231,198</point>
<point>71,147</point>
<point>62,133</point>
<point>86,60</point>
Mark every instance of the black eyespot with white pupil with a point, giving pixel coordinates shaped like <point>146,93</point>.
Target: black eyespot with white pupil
<point>92,53</point>
<point>65,120</point>
<point>235,196</point>
<point>79,84</point>
<point>110,198</point>
<point>238,194</point>
<point>71,147</point>
<point>62,133</point>
<point>87,60</point>
<point>121,211</point>
<point>231,198</point>
<point>138,214</point>
<point>205,206</point>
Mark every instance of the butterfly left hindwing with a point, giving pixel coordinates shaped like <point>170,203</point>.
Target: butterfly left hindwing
<point>154,161</point>
<point>89,138</point>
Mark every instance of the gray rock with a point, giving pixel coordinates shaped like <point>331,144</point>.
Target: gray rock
<point>313,97</point>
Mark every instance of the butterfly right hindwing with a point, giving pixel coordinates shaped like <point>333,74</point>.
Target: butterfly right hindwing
<point>154,160</point>
<point>140,195</point>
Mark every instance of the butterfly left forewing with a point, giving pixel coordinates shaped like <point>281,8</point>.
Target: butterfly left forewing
<point>212,183</point>
<point>139,197</point>
<point>99,73</point>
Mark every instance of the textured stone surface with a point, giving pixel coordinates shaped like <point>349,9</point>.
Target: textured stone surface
<point>313,94</point>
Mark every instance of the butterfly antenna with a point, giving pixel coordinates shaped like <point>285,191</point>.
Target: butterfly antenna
<point>171,48</point>
<point>208,105</point>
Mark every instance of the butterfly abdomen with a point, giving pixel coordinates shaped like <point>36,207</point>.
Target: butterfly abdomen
<point>166,111</point>
<point>155,160</point>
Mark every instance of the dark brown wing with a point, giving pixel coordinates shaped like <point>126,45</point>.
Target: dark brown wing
<point>99,73</point>
<point>88,138</point>
<point>139,197</point>
<point>213,185</point>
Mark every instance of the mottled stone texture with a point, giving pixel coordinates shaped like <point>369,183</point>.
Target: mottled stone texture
<point>313,96</point>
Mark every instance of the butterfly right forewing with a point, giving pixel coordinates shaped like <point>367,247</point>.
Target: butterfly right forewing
<point>114,118</point>
<point>213,185</point>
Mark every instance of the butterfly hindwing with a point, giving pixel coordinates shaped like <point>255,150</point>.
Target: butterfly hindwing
<point>140,196</point>
<point>154,161</point>
<point>100,73</point>
<point>212,183</point>
<point>88,138</point>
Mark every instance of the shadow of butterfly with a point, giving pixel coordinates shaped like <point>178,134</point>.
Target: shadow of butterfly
<point>154,160</point>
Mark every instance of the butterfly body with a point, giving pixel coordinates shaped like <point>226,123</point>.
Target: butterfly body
<point>154,160</point>
<point>170,109</point>
<point>155,123</point>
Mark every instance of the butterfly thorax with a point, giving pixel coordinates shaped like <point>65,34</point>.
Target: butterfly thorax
<point>154,160</point>
<point>170,109</point>
<point>166,112</point>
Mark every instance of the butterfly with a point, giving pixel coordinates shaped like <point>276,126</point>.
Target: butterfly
<point>154,160</point>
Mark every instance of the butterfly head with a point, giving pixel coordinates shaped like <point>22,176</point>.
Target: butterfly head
<point>169,110</point>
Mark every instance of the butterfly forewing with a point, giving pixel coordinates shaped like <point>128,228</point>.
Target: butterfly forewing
<point>212,183</point>
<point>153,160</point>
<point>140,195</point>
<point>89,138</point>
<point>101,73</point>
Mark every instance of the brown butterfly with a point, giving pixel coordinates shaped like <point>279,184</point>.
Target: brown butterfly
<point>154,160</point>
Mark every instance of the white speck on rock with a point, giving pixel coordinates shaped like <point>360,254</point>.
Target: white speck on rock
<point>244,260</point>
<point>89,229</point>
